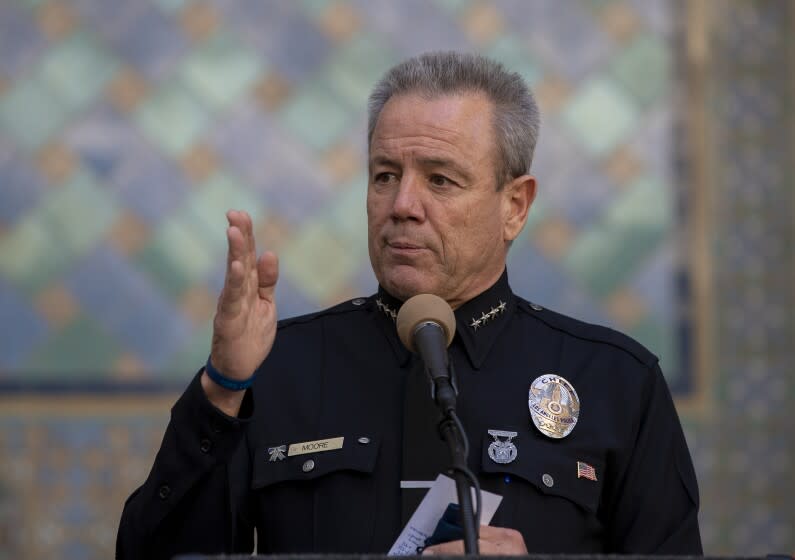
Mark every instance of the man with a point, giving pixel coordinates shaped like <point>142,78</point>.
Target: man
<point>594,461</point>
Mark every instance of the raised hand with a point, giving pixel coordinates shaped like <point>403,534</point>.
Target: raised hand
<point>245,320</point>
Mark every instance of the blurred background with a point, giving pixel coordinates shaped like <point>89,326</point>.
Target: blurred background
<point>128,128</point>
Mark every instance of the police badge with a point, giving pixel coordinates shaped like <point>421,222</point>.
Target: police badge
<point>500,451</point>
<point>554,406</point>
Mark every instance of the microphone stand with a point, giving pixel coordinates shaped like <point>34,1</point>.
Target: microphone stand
<point>444,392</point>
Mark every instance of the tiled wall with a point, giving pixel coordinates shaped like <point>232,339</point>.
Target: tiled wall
<point>128,127</point>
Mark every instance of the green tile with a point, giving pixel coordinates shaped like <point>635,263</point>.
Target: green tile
<point>71,221</point>
<point>188,359</point>
<point>317,262</point>
<point>643,69</point>
<point>206,209</point>
<point>171,6</point>
<point>177,256</point>
<point>30,113</point>
<point>660,339</point>
<point>454,6</point>
<point>604,256</point>
<point>81,350</point>
<point>355,68</point>
<point>510,51</point>
<point>220,70</point>
<point>316,117</point>
<point>348,212</point>
<point>29,256</point>
<point>77,70</point>
<point>601,115</point>
<point>78,214</point>
<point>316,6</point>
<point>172,118</point>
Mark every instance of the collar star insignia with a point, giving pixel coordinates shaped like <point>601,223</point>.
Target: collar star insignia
<point>386,309</point>
<point>487,316</point>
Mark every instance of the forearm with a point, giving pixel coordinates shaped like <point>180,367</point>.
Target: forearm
<point>184,505</point>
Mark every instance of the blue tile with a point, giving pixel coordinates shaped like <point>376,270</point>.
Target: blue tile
<point>78,434</point>
<point>296,48</point>
<point>563,34</point>
<point>653,142</point>
<point>140,34</point>
<point>280,169</point>
<point>151,185</point>
<point>29,330</point>
<point>107,144</point>
<point>280,32</point>
<point>77,513</point>
<point>291,302</point>
<point>412,27</point>
<point>659,15</point>
<point>22,187</point>
<point>21,43</point>
<point>654,282</point>
<point>364,281</point>
<point>122,299</point>
<point>542,281</point>
<point>568,182</point>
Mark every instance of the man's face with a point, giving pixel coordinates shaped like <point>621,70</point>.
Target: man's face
<point>436,221</point>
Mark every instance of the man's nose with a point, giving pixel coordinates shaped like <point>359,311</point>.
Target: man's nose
<point>408,202</point>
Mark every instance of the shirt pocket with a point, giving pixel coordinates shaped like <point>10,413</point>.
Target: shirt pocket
<point>299,497</point>
<point>547,496</point>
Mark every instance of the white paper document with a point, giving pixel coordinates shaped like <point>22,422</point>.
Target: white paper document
<point>423,522</point>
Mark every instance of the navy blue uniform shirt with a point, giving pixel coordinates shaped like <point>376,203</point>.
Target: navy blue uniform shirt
<point>342,373</point>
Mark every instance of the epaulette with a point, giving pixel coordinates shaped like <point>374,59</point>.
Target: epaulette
<point>587,331</point>
<point>355,304</point>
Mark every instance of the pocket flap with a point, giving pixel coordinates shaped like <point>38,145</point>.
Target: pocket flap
<point>555,470</point>
<point>358,453</point>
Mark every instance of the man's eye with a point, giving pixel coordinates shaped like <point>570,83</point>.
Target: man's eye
<point>440,181</point>
<point>385,178</point>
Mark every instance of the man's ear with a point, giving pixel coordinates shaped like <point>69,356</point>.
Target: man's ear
<point>518,197</point>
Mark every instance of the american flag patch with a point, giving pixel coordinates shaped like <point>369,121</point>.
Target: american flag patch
<point>584,470</point>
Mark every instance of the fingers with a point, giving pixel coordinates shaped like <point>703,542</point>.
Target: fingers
<point>239,262</point>
<point>268,274</point>
<point>245,274</point>
<point>242,221</point>
<point>235,281</point>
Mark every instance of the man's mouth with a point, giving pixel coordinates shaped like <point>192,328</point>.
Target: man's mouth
<point>404,247</point>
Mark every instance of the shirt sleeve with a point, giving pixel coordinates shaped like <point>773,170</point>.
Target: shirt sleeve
<point>655,505</point>
<point>195,498</point>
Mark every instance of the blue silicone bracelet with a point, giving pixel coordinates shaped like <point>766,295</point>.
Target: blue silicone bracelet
<point>225,382</point>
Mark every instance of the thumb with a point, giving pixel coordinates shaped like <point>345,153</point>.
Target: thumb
<point>267,274</point>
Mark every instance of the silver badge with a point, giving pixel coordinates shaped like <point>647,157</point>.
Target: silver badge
<point>502,451</point>
<point>277,453</point>
<point>554,405</point>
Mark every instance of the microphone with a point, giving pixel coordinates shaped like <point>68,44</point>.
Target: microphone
<point>426,326</point>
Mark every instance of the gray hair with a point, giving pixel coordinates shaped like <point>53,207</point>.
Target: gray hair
<point>434,74</point>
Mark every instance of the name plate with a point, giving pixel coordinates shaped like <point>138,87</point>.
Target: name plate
<point>315,446</point>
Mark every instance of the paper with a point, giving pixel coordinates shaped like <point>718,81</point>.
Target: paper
<point>423,522</point>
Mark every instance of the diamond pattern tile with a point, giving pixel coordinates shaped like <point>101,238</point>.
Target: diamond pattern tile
<point>127,129</point>
<point>220,70</point>
<point>601,115</point>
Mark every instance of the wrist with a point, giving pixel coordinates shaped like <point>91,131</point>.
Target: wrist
<point>227,383</point>
<point>225,400</point>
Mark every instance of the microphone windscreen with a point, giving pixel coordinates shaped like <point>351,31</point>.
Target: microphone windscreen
<point>420,309</point>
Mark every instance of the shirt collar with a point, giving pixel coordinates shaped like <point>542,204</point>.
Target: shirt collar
<point>478,322</point>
